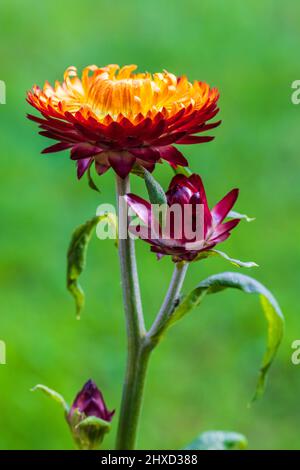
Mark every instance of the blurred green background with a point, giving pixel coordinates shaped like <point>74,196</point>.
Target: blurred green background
<point>203,375</point>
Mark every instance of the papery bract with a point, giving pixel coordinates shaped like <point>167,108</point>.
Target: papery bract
<point>90,402</point>
<point>117,118</point>
<point>188,193</point>
<point>89,418</point>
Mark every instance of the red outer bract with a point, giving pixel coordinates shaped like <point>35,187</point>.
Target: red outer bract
<point>117,118</point>
<point>188,193</point>
<point>90,402</point>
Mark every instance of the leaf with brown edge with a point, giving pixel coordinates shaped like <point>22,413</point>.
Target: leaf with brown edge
<point>76,258</point>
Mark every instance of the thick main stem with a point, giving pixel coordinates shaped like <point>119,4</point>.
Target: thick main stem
<point>137,353</point>
<point>139,342</point>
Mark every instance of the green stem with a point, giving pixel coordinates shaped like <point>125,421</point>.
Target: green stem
<point>139,342</point>
<point>137,352</point>
<point>168,305</point>
<point>132,399</point>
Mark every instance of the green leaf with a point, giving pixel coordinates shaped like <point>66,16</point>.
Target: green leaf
<point>89,432</point>
<point>112,220</point>
<point>182,170</point>
<point>94,421</point>
<point>155,191</point>
<point>219,440</point>
<point>91,182</point>
<point>237,215</point>
<point>138,170</point>
<point>76,260</point>
<point>52,394</point>
<point>76,256</point>
<point>271,310</point>
<point>235,262</point>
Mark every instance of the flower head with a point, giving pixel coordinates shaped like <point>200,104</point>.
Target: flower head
<point>90,402</point>
<point>189,195</point>
<point>116,118</point>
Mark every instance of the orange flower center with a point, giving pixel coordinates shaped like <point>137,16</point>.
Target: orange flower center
<point>114,92</point>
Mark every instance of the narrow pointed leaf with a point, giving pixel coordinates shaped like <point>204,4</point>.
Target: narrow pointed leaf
<point>182,170</point>
<point>219,440</point>
<point>138,170</point>
<point>76,257</point>
<point>52,394</point>
<point>155,191</point>
<point>76,260</point>
<point>235,262</point>
<point>91,182</point>
<point>237,215</point>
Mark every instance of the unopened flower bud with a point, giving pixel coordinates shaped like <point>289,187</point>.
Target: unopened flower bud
<point>89,418</point>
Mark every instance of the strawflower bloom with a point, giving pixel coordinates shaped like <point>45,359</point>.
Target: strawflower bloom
<point>116,118</point>
<point>187,193</point>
